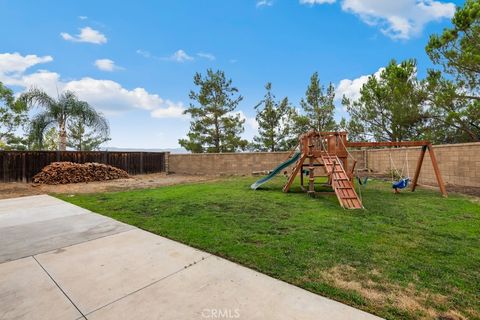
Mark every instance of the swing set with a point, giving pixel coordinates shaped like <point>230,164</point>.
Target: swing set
<point>326,154</point>
<point>401,178</point>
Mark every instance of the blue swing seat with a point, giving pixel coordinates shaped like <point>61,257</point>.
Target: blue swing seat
<point>401,184</point>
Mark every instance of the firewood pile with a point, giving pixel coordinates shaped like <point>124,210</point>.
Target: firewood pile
<point>70,172</point>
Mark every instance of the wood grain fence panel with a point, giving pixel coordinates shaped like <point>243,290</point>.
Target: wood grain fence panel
<point>23,165</point>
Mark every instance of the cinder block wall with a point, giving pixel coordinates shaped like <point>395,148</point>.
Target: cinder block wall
<point>459,163</point>
<point>225,163</point>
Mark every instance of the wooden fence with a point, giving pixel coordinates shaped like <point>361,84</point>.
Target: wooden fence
<point>23,165</point>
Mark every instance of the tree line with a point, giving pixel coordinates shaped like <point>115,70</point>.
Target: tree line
<point>395,105</point>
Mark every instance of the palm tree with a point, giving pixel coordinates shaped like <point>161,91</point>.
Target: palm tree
<point>58,113</point>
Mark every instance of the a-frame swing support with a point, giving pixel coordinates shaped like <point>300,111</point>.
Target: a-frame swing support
<point>426,145</point>
<point>440,182</point>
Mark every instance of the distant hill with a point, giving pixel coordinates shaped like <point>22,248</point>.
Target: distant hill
<point>173,150</point>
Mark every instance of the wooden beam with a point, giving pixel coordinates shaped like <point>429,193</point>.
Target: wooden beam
<point>436,169</point>
<point>351,174</point>
<point>311,176</point>
<point>419,167</point>
<point>301,176</point>
<point>388,144</point>
<point>298,166</point>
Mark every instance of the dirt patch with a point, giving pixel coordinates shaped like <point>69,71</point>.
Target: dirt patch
<point>383,295</point>
<point>473,191</point>
<point>19,189</point>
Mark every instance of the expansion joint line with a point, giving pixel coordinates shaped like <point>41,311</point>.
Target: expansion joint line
<point>60,288</point>
<point>151,284</point>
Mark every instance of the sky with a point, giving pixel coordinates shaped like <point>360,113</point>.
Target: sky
<point>135,61</point>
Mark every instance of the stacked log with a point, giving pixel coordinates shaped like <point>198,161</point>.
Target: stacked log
<point>69,172</point>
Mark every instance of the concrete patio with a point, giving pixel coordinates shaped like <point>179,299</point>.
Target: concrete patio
<point>59,261</point>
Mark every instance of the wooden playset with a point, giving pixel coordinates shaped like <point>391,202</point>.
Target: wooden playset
<point>325,154</point>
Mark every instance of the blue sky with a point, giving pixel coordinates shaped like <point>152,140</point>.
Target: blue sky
<point>136,61</point>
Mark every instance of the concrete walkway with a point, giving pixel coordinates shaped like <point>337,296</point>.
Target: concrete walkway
<point>59,261</point>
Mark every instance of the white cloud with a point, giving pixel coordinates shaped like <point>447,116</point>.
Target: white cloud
<point>171,110</point>
<point>82,17</point>
<point>207,56</point>
<point>106,95</point>
<point>397,19</point>
<point>86,34</point>
<point>264,3</point>
<point>16,63</point>
<point>107,65</point>
<point>180,56</point>
<point>312,2</point>
<point>351,88</point>
<point>144,53</point>
<point>111,97</point>
<point>249,121</point>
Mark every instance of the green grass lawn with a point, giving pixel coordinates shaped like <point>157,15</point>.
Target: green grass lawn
<point>408,256</point>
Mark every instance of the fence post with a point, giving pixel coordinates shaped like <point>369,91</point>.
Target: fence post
<point>141,163</point>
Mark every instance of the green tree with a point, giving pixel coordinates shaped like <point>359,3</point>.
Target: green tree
<point>58,113</point>
<point>356,131</point>
<point>391,107</point>
<point>13,115</point>
<point>457,49</point>
<point>298,124</point>
<point>318,105</point>
<point>453,118</point>
<point>214,127</point>
<point>51,139</point>
<point>455,95</point>
<point>273,127</point>
<point>83,135</point>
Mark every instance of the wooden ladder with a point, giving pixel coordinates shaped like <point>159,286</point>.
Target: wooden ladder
<point>341,184</point>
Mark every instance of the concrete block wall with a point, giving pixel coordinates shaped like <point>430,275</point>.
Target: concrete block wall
<point>459,163</point>
<point>225,163</point>
<point>361,158</point>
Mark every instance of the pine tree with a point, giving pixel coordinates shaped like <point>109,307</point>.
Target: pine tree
<point>272,118</point>
<point>319,106</point>
<point>214,127</point>
<point>391,106</point>
<point>82,138</point>
<point>355,130</point>
<point>455,102</point>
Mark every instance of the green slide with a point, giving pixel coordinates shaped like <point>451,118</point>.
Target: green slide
<point>276,171</point>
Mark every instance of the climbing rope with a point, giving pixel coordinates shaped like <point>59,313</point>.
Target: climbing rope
<point>402,179</point>
<point>406,161</point>
<point>394,169</point>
